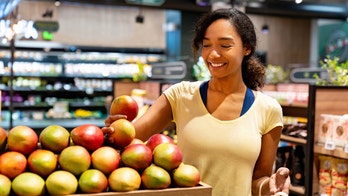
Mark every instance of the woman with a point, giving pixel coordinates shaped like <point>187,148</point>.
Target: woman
<point>225,127</point>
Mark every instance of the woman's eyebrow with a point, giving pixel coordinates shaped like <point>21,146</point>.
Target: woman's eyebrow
<point>221,39</point>
<point>226,39</point>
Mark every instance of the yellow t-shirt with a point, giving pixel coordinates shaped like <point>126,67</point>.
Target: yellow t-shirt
<point>225,152</point>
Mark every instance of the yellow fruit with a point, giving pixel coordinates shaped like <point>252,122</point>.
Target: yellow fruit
<point>42,162</point>
<point>5,185</point>
<point>137,156</point>
<point>28,183</point>
<point>3,139</point>
<point>22,139</point>
<point>93,181</point>
<point>167,156</point>
<point>186,175</point>
<point>75,159</point>
<point>124,179</point>
<point>105,159</point>
<point>54,138</point>
<point>124,133</point>
<point>61,182</point>
<point>155,177</point>
<point>136,141</point>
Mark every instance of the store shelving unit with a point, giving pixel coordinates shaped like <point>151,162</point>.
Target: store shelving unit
<point>82,79</point>
<point>323,100</point>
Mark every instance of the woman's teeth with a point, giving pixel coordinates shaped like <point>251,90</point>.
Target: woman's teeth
<point>216,64</point>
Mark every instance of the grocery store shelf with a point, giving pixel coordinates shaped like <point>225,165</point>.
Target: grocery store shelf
<point>297,189</point>
<point>293,139</point>
<point>337,152</point>
<point>41,124</point>
<point>295,110</point>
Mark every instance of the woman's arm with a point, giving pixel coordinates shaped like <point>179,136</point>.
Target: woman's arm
<point>264,165</point>
<point>155,119</point>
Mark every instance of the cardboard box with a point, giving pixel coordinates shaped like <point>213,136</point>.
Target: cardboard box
<point>201,190</point>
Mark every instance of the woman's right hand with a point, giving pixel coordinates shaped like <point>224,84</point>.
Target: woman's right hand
<point>109,120</point>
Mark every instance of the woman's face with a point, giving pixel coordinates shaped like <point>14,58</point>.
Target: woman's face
<point>222,49</point>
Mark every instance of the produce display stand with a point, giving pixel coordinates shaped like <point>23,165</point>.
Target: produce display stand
<point>200,190</point>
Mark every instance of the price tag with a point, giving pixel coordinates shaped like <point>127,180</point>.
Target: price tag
<point>330,145</point>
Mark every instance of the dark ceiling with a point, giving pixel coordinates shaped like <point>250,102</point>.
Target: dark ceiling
<point>328,9</point>
<point>332,9</point>
<point>186,5</point>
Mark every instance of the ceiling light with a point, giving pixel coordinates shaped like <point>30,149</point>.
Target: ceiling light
<point>265,29</point>
<point>57,3</point>
<point>298,1</point>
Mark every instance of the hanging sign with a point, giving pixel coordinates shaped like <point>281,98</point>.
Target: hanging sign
<point>51,26</point>
<point>168,70</point>
<point>307,75</point>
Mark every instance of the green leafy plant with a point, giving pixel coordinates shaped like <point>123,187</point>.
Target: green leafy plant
<point>337,72</point>
<point>200,71</point>
<point>141,75</point>
<point>276,74</point>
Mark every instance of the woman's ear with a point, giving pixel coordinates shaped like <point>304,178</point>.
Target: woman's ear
<point>246,51</point>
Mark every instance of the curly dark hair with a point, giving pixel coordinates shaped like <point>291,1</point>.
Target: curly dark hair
<point>253,71</point>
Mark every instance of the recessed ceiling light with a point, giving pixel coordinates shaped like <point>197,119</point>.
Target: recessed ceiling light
<point>298,1</point>
<point>265,29</point>
<point>57,3</point>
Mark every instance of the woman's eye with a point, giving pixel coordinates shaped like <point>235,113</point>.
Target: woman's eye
<point>225,46</point>
<point>205,45</point>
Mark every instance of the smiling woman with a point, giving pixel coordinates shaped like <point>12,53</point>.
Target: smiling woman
<point>6,7</point>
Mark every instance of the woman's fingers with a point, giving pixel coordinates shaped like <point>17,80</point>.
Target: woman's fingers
<point>107,130</point>
<point>280,181</point>
<point>284,179</point>
<point>108,121</point>
<point>111,118</point>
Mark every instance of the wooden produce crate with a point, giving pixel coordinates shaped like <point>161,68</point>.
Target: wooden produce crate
<point>200,190</point>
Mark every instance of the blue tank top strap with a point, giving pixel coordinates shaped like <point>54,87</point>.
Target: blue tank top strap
<point>248,99</point>
<point>203,89</point>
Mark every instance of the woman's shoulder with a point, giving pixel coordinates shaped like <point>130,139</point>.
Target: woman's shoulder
<point>186,85</point>
<point>268,100</point>
<point>182,89</point>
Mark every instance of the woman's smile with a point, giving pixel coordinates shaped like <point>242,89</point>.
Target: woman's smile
<point>212,64</point>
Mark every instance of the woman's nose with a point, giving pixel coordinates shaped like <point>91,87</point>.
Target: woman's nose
<point>214,53</point>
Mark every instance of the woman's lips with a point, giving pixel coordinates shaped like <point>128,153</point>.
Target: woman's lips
<point>216,64</point>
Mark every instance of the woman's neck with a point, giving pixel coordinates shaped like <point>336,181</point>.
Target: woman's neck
<point>227,86</point>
